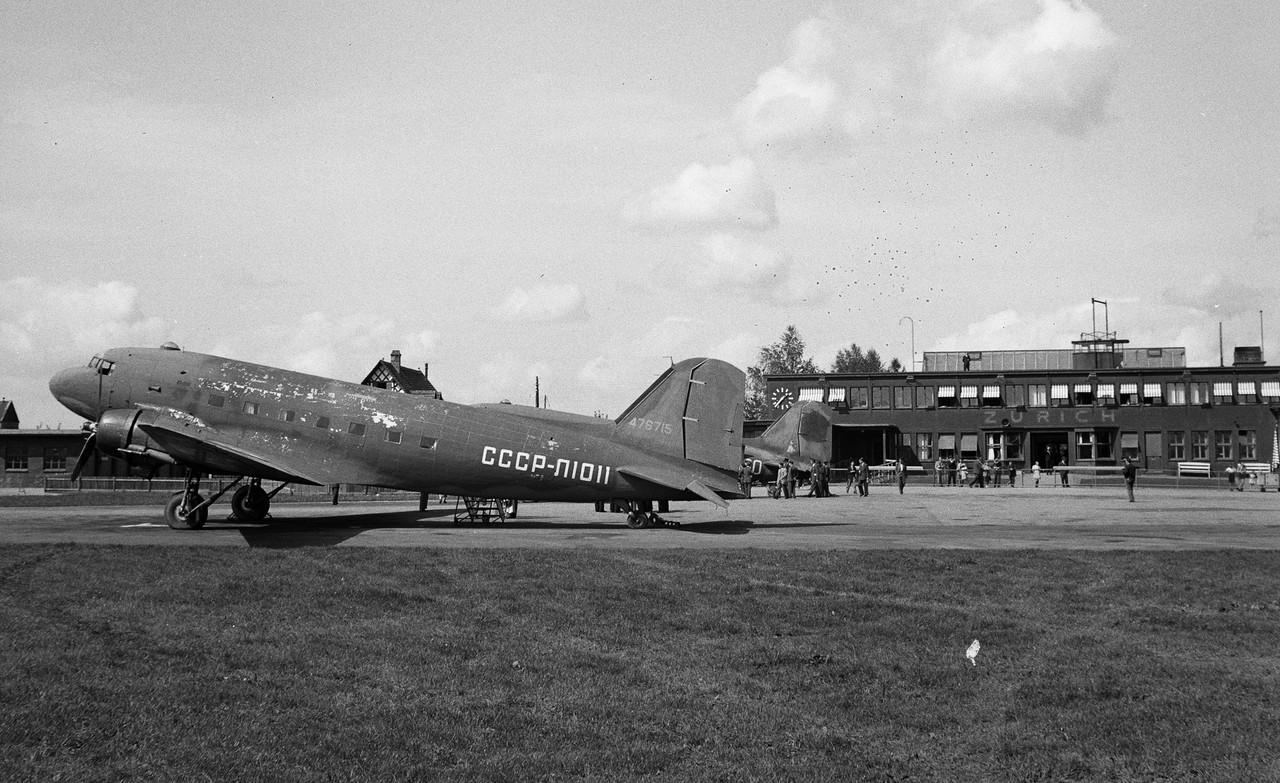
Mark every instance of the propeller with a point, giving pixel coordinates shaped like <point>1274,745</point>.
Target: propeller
<point>90,445</point>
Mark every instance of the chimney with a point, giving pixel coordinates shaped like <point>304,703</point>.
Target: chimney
<point>395,359</point>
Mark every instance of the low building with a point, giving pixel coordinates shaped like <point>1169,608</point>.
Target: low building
<point>1092,405</point>
<point>395,376</point>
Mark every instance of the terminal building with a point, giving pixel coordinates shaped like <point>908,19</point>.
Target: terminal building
<point>1090,405</point>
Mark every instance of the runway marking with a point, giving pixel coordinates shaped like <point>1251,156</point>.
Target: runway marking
<point>146,524</point>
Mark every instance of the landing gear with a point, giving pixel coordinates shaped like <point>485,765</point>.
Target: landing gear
<point>640,514</point>
<point>251,503</point>
<point>187,509</point>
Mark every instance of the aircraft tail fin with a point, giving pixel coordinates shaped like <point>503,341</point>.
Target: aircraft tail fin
<point>802,434</point>
<point>693,410</point>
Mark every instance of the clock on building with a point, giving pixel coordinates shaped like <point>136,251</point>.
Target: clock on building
<point>781,398</point>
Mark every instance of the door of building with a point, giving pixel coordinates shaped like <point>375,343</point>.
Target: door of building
<point>1153,457</point>
<point>1045,447</point>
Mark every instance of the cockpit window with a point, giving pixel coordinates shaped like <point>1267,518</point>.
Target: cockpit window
<point>95,361</point>
<point>104,367</point>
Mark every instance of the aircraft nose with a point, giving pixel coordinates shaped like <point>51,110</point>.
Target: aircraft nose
<point>73,388</point>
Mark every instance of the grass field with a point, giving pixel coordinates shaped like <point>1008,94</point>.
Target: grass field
<point>363,664</point>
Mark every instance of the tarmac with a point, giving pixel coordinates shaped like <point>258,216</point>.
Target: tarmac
<point>924,517</point>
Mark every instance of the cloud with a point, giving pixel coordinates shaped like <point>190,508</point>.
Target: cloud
<point>731,195</point>
<point>542,303</point>
<point>1056,67</point>
<point>728,264</point>
<point>913,65</point>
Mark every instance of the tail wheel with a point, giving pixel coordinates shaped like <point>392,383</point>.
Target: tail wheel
<point>179,519</point>
<point>250,503</point>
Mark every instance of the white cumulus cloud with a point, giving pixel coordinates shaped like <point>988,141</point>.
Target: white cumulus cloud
<point>730,195</point>
<point>552,302</point>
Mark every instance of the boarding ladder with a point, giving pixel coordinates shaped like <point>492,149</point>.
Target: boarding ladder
<point>483,510</point>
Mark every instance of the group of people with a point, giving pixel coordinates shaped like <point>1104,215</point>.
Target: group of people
<point>953,472</point>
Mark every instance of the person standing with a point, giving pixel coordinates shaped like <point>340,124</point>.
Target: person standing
<point>952,468</point>
<point>786,479</point>
<point>1035,472</point>
<point>1241,476</point>
<point>1013,474</point>
<point>940,469</point>
<point>902,477</point>
<point>864,478</point>
<point>744,478</point>
<point>1062,463</point>
<point>1130,473</point>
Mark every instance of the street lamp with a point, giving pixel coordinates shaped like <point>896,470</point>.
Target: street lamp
<point>913,338</point>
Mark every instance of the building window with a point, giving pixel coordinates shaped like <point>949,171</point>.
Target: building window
<point>1271,391</point>
<point>1199,393</point>
<point>969,396</point>
<point>1060,394</point>
<point>1129,394</point>
<point>835,396</point>
<point>810,394</point>
<point>355,428</point>
<point>427,443</point>
<point>55,460</point>
<point>1129,445</point>
<point>1083,393</point>
<point>880,396</point>
<point>1015,394</point>
<point>323,422</point>
<point>969,445</point>
<point>217,400</point>
<point>1222,445</point>
<point>251,408</point>
<point>1177,445</point>
<point>902,397</point>
<point>1223,394</point>
<point>1037,395</point>
<point>947,446</point>
<point>857,396</point>
<point>1003,446</point>
<point>1091,445</point>
<point>15,458</point>
<point>1106,394</point>
<point>924,397</point>
<point>992,396</point>
<point>947,397</point>
<point>1152,394</point>
<point>1200,445</point>
<point>1247,442</point>
<point>393,436</point>
<point>1175,393</point>
<point>1246,392</point>
<point>924,446</point>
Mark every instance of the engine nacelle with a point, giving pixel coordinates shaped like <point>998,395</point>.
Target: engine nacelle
<point>119,436</point>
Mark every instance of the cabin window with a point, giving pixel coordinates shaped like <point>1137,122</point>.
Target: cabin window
<point>427,443</point>
<point>288,415</point>
<point>355,428</point>
<point>323,422</point>
<point>217,400</point>
<point>393,436</point>
<point>251,408</point>
<point>1177,445</point>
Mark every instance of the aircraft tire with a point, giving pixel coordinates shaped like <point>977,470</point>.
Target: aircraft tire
<point>636,520</point>
<point>510,508</point>
<point>250,503</point>
<point>179,521</point>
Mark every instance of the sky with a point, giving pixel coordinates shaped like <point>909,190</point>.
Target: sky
<point>583,192</point>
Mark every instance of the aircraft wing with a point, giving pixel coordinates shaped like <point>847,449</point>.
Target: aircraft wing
<point>224,456</point>
<point>673,479</point>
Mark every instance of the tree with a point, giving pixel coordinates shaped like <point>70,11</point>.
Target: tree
<point>784,357</point>
<point>852,359</point>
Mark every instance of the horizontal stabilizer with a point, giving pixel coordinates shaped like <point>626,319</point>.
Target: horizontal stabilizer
<point>674,479</point>
<point>223,456</point>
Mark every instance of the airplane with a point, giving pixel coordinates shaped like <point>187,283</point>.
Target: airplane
<point>680,440</point>
<point>802,434</point>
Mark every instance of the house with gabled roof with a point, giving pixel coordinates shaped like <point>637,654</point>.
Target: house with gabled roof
<point>394,375</point>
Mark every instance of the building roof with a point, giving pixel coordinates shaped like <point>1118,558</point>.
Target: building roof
<point>393,375</point>
<point>8,415</point>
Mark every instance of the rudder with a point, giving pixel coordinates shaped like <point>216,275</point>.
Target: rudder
<point>693,411</point>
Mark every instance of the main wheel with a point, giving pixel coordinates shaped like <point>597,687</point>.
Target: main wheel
<point>178,520</point>
<point>250,503</point>
<point>636,519</point>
